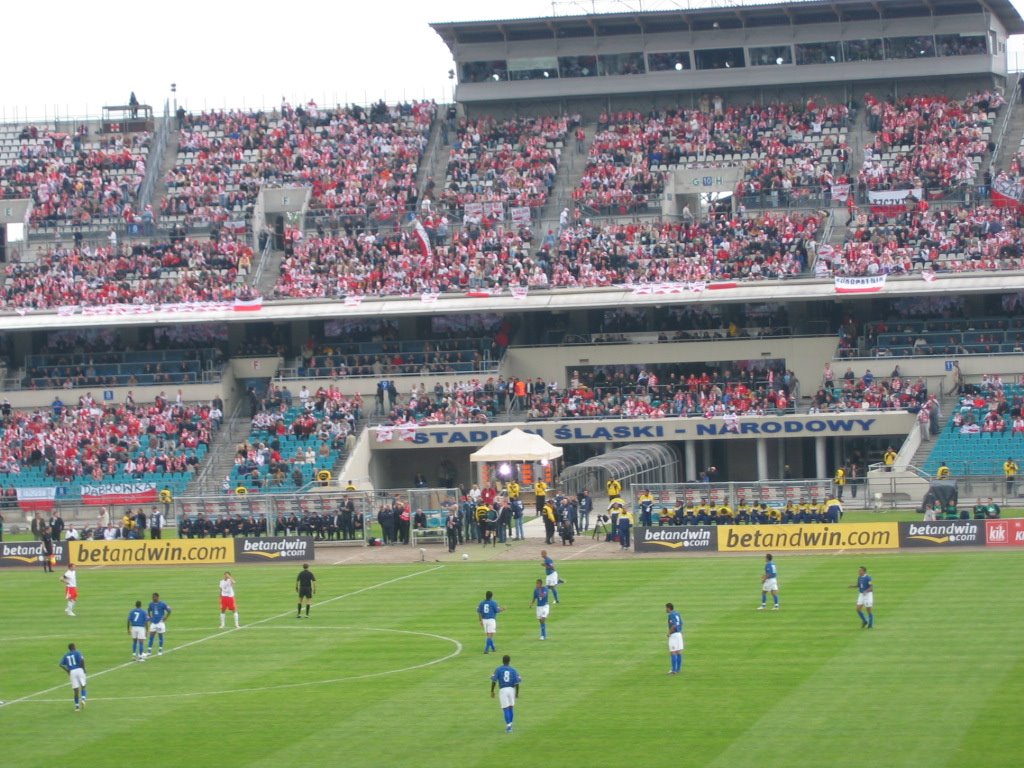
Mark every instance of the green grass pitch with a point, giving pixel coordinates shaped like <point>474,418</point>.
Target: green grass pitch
<point>390,671</point>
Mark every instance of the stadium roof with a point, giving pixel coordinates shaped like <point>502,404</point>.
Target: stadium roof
<point>725,17</point>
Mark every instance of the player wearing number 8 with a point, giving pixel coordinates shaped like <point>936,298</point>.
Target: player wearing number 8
<point>507,680</point>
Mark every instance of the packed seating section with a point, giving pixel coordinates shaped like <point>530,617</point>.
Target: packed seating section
<point>932,142</point>
<point>72,179</point>
<point>294,437</point>
<point>90,442</point>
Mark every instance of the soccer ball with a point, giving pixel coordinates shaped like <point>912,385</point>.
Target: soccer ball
<point>465,556</point>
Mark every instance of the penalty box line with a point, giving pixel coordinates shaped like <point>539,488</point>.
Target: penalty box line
<point>215,635</point>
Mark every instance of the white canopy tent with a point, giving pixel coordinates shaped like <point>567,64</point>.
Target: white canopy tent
<point>517,445</point>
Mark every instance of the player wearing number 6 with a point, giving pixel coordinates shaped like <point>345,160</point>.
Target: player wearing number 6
<point>488,611</point>
<point>769,583</point>
<point>507,680</point>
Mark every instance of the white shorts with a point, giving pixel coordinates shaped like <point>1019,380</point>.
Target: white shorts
<point>77,677</point>
<point>157,628</point>
<point>770,585</point>
<point>138,633</point>
<point>551,580</point>
<point>507,697</point>
<point>543,611</point>
<point>866,600</point>
<point>490,626</point>
<point>675,641</point>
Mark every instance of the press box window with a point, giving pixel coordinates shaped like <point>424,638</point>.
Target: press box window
<point>818,53</point>
<point>862,50</point>
<point>482,71</point>
<point>540,68</point>
<point>621,64</point>
<point>577,66</point>
<point>668,62</point>
<point>720,58</point>
<point>771,56</point>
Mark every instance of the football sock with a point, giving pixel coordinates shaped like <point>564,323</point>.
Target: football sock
<point>508,715</point>
<point>298,609</point>
<point>764,598</point>
<point>236,618</point>
<point>543,630</point>
<point>776,598</point>
<point>76,698</point>
<point>863,618</point>
<point>871,619</point>
<point>554,593</point>
<point>307,610</point>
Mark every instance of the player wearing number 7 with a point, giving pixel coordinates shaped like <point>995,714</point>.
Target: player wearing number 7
<point>488,611</point>
<point>507,679</point>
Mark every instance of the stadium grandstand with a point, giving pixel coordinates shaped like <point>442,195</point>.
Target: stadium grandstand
<point>779,239</point>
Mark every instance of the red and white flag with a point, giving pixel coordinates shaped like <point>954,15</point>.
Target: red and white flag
<point>37,499</point>
<point>407,432</point>
<point>119,493</point>
<point>385,432</point>
<point>928,276</point>
<point>248,305</point>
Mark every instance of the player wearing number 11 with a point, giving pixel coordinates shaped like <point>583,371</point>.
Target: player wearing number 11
<point>507,679</point>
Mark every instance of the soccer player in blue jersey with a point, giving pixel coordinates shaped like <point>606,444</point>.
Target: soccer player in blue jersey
<point>865,598</point>
<point>488,611</point>
<point>540,598</point>
<point>550,574</point>
<point>507,679</point>
<point>769,583</point>
<point>158,613</point>
<point>137,621</point>
<point>73,663</point>
<point>675,638</point>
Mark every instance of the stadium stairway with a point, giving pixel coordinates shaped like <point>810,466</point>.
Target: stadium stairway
<point>221,456</point>
<point>1011,139</point>
<point>571,166</point>
<point>435,157</point>
<point>947,402</point>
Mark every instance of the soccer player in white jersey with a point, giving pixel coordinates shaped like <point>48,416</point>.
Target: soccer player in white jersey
<point>70,579</point>
<point>227,598</point>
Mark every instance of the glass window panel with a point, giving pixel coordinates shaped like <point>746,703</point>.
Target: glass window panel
<point>577,66</point>
<point>961,45</point>
<point>667,62</point>
<point>818,53</point>
<point>771,56</point>
<point>916,47</point>
<point>720,58</point>
<point>539,68</point>
<point>481,71</point>
<point>862,50</point>
<point>621,64</point>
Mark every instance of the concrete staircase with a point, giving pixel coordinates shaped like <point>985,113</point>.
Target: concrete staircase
<point>1011,139</point>
<point>220,458</point>
<point>947,403</point>
<point>571,165</point>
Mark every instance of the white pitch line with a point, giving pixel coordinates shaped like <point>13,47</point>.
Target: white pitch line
<point>284,686</point>
<point>225,632</point>
<point>581,551</point>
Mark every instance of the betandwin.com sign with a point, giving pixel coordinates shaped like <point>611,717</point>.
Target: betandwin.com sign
<point>765,538</point>
<point>676,538</point>
<point>946,533</point>
<point>23,553</point>
<point>190,551</point>
<point>273,549</point>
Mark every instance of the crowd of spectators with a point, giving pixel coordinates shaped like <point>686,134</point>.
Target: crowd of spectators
<point>929,141</point>
<point>358,162</point>
<point>74,180</point>
<point>512,162</point>
<point>782,148</point>
<point>990,406</point>
<point>184,270</point>
<point>869,392</point>
<point>293,437</point>
<point>950,239</point>
<point>581,254</point>
<point>97,442</point>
